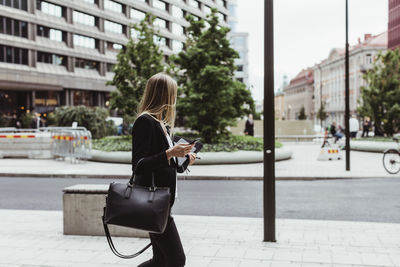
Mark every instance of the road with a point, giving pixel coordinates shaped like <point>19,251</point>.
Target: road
<point>375,200</point>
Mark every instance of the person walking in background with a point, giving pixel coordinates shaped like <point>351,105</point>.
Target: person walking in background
<point>249,128</point>
<point>366,126</point>
<point>153,145</point>
<point>354,126</point>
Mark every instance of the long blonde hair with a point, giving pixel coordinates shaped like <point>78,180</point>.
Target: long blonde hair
<point>159,99</point>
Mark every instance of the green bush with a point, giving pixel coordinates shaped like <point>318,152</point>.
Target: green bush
<point>93,119</point>
<point>233,143</point>
<point>4,122</point>
<point>26,119</point>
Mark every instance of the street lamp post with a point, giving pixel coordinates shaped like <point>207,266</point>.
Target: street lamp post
<point>347,101</point>
<point>269,124</point>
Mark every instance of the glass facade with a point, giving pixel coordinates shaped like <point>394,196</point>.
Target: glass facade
<point>177,29</point>
<point>18,4</point>
<point>113,6</point>
<point>137,14</point>
<point>49,58</point>
<point>193,3</point>
<point>13,27</point>
<point>110,26</point>
<point>82,18</point>
<point>177,12</point>
<point>177,46</point>
<point>160,5</point>
<point>52,34</point>
<point>15,55</point>
<point>86,64</point>
<point>49,8</point>
<point>84,41</point>
<point>162,23</point>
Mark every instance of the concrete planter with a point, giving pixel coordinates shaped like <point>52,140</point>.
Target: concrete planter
<point>372,146</point>
<point>207,158</point>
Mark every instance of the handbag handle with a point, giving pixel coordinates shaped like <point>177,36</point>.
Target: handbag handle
<point>115,251</point>
<point>133,178</point>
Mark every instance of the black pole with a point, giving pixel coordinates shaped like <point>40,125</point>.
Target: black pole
<point>269,124</point>
<point>347,111</point>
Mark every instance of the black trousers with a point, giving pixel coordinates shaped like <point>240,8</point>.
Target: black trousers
<point>167,248</point>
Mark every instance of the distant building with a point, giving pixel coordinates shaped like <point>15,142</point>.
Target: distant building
<point>55,53</point>
<point>239,41</point>
<point>279,105</point>
<point>329,76</point>
<point>394,24</point>
<point>300,93</point>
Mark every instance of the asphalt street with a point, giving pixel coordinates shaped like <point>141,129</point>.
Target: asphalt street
<point>375,200</point>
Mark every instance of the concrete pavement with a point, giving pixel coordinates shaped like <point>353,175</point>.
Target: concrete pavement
<point>34,238</point>
<point>303,165</point>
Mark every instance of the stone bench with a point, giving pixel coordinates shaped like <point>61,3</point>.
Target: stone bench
<point>82,210</point>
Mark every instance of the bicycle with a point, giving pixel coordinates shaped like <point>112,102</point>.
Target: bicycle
<point>391,159</point>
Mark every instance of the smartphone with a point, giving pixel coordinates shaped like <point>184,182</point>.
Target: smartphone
<point>194,141</point>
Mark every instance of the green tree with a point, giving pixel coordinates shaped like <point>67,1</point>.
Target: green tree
<point>212,100</point>
<point>321,114</point>
<point>380,99</point>
<point>137,62</point>
<point>302,114</point>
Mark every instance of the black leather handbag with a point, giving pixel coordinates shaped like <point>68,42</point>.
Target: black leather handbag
<point>134,206</point>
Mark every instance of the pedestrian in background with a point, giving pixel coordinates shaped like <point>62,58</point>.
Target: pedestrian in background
<point>354,126</point>
<point>366,126</point>
<point>249,128</point>
<point>153,145</point>
<point>337,135</point>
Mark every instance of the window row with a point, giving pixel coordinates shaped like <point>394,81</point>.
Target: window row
<point>13,27</point>
<point>18,4</point>
<point>14,55</point>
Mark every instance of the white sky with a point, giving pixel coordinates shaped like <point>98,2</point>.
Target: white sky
<point>305,32</point>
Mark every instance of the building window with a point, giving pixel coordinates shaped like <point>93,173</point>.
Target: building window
<point>177,12</point>
<point>162,23</point>
<point>51,58</point>
<point>239,42</point>
<point>82,98</point>
<point>110,67</point>
<point>84,41</point>
<point>177,46</point>
<point>160,41</point>
<point>14,55</point>
<point>221,2</point>
<point>13,27</point>
<point>83,18</point>
<point>86,64</point>
<point>89,1</point>
<point>160,5</point>
<point>194,3</point>
<point>178,29</point>
<point>240,68</point>
<point>113,6</point>
<point>112,46</point>
<point>135,33</point>
<point>18,4</point>
<point>52,34</point>
<point>110,26</point>
<point>136,14</point>
<point>240,79</point>
<point>49,8</point>
<point>221,16</point>
<point>207,10</point>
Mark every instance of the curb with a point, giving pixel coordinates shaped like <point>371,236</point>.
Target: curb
<point>189,177</point>
<point>208,158</point>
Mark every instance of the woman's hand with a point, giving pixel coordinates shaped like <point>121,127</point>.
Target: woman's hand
<point>179,150</point>
<point>192,158</point>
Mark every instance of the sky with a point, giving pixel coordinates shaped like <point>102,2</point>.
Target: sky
<point>305,32</point>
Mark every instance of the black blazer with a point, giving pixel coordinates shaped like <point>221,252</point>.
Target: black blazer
<point>150,143</point>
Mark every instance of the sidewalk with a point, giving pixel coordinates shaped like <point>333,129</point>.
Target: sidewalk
<point>303,165</point>
<point>34,238</point>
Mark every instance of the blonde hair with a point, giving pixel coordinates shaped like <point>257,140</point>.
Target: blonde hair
<point>159,99</point>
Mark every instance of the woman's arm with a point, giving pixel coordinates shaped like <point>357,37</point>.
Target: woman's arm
<point>141,148</point>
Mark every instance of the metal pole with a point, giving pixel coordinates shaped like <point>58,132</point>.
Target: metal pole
<point>269,124</point>
<point>347,111</point>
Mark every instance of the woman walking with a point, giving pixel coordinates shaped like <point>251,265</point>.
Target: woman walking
<point>152,142</point>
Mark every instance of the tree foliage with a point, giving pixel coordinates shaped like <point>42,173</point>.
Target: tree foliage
<point>321,114</point>
<point>380,99</point>
<point>137,62</point>
<point>211,99</point>
<point>302,113</point>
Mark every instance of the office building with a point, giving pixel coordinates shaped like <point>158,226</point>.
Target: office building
<point>394,24</point>
<point>55,53</point>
